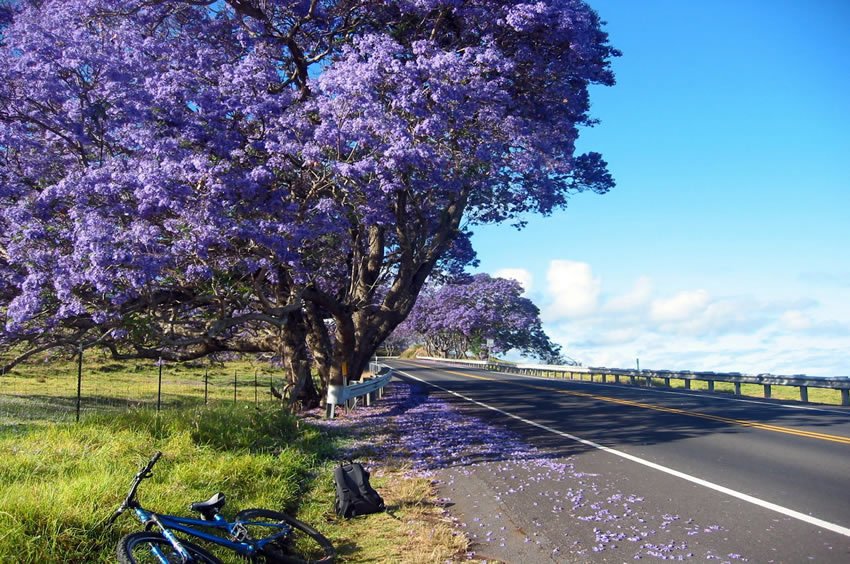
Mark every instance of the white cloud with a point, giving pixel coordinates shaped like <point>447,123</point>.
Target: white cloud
<point>618,336</point>
<point>691,329</point>
<point>636,298</point>
<point>681,307</point>
<point>573,289</point>
<point>521,275</point>
<point>795,320</point>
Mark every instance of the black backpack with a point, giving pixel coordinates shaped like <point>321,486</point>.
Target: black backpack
<point>354,495</point>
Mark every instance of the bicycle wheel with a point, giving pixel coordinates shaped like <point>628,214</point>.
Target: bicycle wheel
<point>302,544</point>
<point>136,547</point>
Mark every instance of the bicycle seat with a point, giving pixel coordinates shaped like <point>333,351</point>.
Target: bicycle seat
<point>210,507</point>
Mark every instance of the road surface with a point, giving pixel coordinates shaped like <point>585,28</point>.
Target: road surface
<point>709,476</point>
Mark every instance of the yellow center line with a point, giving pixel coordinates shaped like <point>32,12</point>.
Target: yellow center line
<point>741,422</point>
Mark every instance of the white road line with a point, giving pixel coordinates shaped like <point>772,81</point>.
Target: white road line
<point>705,483</point>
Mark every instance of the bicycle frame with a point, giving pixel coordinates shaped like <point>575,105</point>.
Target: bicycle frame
<point>169,523</point>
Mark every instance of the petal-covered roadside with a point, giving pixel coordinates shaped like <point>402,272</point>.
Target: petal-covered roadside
<point>516,502</point>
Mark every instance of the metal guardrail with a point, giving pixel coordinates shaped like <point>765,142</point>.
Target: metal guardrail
<point>645,377</point>
<point>371,388</point>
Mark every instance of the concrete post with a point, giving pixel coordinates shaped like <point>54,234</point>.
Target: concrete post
<point>336,395</point>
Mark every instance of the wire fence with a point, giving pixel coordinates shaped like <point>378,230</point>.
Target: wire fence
<point>68,391</point>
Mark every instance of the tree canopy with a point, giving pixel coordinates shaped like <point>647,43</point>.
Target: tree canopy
<point>459,318</point>
<point>180,177</point>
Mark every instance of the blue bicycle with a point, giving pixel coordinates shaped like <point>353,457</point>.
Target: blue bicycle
<point>260,535</point>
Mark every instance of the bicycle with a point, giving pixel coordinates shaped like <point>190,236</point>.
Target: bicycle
<point>260,535</point>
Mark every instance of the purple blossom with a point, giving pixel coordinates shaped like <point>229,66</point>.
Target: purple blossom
<point>171,155</point>
<point>461,316</point>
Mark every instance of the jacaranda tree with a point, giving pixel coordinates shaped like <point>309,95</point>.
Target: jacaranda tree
<point>181,177</point>
<point>458,318</point>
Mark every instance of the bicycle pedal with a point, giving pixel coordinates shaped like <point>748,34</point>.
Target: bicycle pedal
<point>239,533</point>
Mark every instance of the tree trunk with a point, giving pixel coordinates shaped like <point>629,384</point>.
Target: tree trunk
<point>296,362</point>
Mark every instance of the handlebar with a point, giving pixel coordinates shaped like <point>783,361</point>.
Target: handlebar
<point>145,472</point>
<point>130,500</point>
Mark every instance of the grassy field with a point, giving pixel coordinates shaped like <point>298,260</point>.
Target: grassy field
<point>60,480</point>
<point>46,388</point>
<point>816,395</point>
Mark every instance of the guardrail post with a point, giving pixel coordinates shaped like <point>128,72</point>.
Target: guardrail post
<point>633,380</point>
<point>370,397</point>
<point>804,394</point>
<point>604,379</point>
<point>687,384</point>
<point>737,388</point>
<point>710,385</point>
<point>767,390</point>
<point>666,382</point>
<point>617,378</point>
<point>336,393</point>
<point>845,397</point>
<point>649,381</point>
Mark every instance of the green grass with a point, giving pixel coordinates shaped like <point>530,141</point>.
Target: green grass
<point>45,389</point>
<point>60,480</point>
<point>58,483</point>
<point>816,395</point>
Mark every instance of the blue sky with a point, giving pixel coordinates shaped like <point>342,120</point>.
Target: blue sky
<point>724,245</point>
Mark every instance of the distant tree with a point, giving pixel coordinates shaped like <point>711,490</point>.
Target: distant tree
<point>402,338</point>
<point>183,177</point>
<point>456,319</point>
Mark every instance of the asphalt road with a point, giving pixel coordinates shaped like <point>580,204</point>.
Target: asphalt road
<point>773,476</point>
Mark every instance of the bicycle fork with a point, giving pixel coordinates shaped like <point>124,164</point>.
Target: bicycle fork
<point>149,519</point>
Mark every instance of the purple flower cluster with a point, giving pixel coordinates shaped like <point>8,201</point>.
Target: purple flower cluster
<point>459,316</point>
<point>194,168</point>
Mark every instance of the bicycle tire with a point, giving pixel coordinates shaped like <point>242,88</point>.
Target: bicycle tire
<point>286,551</point>
<point>130,544</point>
